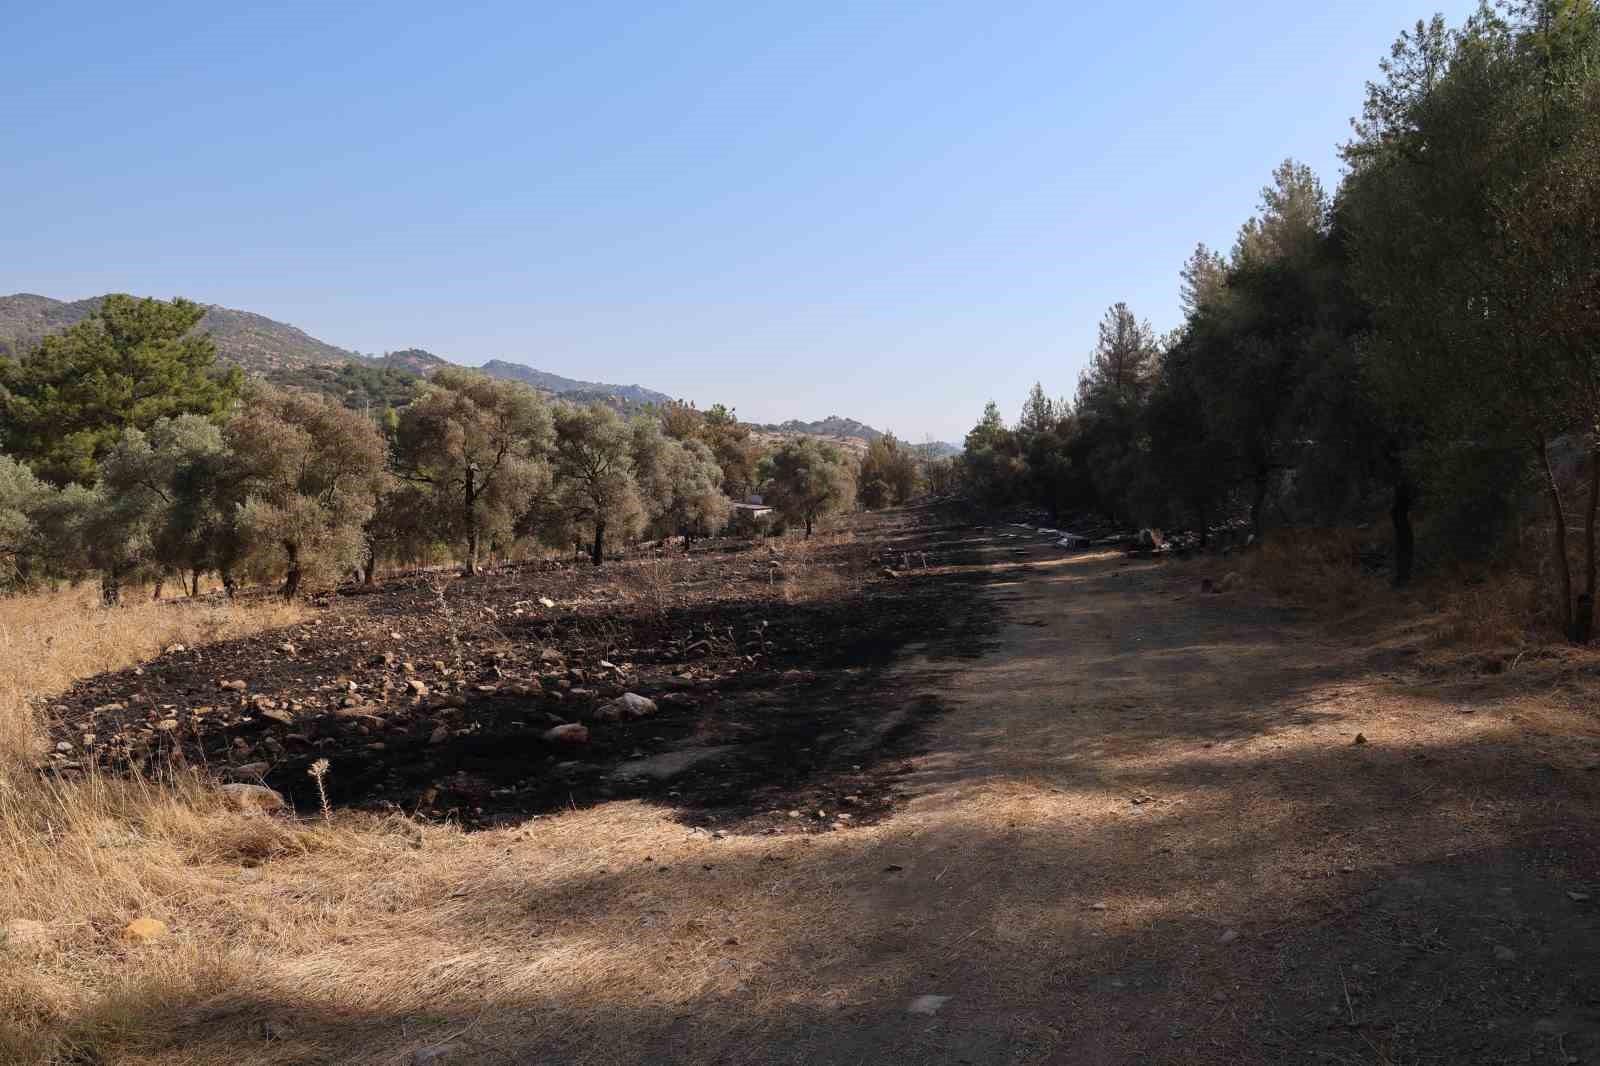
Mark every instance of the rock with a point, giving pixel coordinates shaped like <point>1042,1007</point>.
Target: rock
<point>287,649</point>
<point>927,1004</point>
<point>25,936</point>
<point>167,725</point>
<point>418,690</point>
<point>1149,539</point>
<point>278,715</point>
<point>175,649</point>
<point>1228,937</point>
<point>1578,897</point>
<point>1230,581</point>
<point>571,733</point>
<point>252,769</point>
<point>441,733</point>
<point>546,601</point>
<point>232,686</point>
<point>1097,906</point>
<point>144,930</point>
<point>628,705</point>
<point>1504,954</point>
<point>549,655</point>
<point>254,798</point>
<point>64,746</point>
<point>1361,738</point>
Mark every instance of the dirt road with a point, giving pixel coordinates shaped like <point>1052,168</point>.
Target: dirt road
<point>1136,823</point>
<point>1146,831</point>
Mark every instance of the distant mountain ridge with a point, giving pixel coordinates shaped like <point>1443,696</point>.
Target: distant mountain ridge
<point>289,355</point>
<point>276,349</point>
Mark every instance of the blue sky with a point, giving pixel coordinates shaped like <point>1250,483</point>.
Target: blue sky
<point>891,211</point>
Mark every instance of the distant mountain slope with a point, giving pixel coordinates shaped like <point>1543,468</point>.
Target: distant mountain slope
<point>548,382</point>
<point>255,342</point>
<point>839,426</point>
<point>283,353</point>
<point>832,426</point>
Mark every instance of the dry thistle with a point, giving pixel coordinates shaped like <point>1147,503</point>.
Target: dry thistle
<point>317,771</point>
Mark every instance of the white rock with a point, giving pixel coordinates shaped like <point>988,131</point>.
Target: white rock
<point>257,798</point>
<point>927,1004</point>
<point>571,733</point>
<point>628,705</point>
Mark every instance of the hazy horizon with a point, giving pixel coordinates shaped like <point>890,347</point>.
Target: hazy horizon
<point>892,214</point>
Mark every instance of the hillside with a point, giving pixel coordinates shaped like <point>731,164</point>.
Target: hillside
<point>288,355</point>
<point>255,342</point>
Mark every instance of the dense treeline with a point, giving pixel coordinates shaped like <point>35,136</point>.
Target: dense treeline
<point>127,453</point>
<point>1427,338</point>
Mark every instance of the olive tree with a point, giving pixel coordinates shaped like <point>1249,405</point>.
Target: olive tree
<point>475,449</point>
<point>594,492</point>
<point>806,479</point>
<point>309,475</point>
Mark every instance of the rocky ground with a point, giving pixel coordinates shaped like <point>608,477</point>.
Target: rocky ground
<point>738,681</point>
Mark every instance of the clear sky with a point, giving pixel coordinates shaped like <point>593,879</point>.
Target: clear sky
<point>892,211</point>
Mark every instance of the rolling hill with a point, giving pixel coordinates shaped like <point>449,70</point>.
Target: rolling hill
<point>287,355</point>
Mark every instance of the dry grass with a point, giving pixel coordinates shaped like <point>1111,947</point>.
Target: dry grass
<point>87,855</point>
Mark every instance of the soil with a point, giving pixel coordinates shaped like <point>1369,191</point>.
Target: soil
<point>435,694</point>
<point>1098,815</point>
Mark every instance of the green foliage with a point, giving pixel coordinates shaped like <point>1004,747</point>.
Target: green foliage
<point>806,480</point>
<point>309,476</point>
<point>129,364</point>
<point>21,497</point>
<point>474,448</point>
<point>595,488</point>
<point>889,474</point>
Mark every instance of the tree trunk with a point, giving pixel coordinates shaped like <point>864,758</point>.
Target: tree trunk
<point>1583,623</point>
<point>229,586</point>
<point>597,555</point>
<point>110,588</point>
<point>1258,515</point>
<point>472,521</point>
<point>291,580</point>
<point>155,594</point>
<point>194,584</point>
<point>369,568</point>
<point>1559,515</point>
<point>1405,541</point>
<point>808,526</point>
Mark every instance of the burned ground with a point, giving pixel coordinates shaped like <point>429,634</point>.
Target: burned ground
<point>435,693</point>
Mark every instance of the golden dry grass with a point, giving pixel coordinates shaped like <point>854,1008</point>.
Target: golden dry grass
<point>87,855</point>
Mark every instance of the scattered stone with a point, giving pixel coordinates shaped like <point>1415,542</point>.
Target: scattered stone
<point>546,601</point>
<point>287,649</point>
<point>571,733</point>
<point>927,1004</point>
<point>278,715</point>
<point>1228,937</point>
<point>441,733</point>
<point>1361,738</point>
<point>252,769</point>
<point>1097,906</point>
<point>1504,954</point>
<point>232,686</point>
<point>64,746</point>
<point>1230,581</point>
<point>167,725</point>
<point>254,798</point>
<point>144,930</point>
<point>418,690</point>
<point>1578,897</point>
<point>628,705</point>
<point>175,649</point>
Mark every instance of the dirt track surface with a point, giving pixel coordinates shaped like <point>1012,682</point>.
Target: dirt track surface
<point>1134,825</point>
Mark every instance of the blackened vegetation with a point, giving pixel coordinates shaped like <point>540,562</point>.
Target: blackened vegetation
<point>437,698</point>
